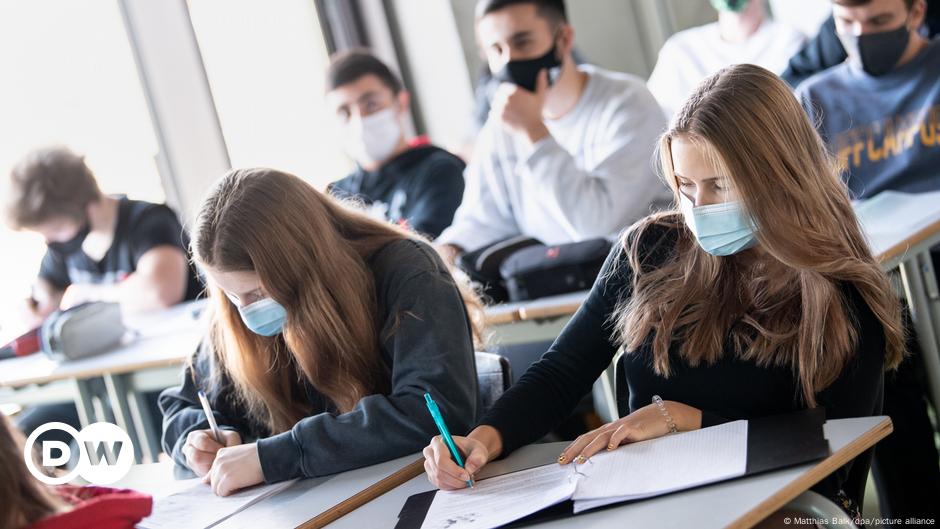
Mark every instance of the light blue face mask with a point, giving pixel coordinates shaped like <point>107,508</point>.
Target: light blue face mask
<point>265,317</point>
<point>721,229</point>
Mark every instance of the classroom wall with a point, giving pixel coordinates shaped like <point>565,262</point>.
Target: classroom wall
<point>441,86</point>
<point>621,35</point>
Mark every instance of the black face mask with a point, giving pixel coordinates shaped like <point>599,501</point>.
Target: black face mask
<point>877,53</point>
<point>72,245</point>
<point>525,72</point>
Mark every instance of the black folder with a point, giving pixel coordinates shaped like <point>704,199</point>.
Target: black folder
<point>773,443</point>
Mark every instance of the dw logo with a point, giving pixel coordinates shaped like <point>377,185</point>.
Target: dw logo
<point>106,453</point>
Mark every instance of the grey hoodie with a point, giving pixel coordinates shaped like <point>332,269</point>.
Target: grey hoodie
<point>426,344</point>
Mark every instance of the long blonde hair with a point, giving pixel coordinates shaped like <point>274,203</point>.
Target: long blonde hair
<point>785,311</point>
<point>311,255</point>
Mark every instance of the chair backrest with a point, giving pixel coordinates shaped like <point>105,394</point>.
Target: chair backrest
<point>494,376</point>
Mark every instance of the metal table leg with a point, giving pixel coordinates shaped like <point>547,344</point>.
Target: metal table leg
<point>140,411</point>
<point>119,395</point>
<point>925,312</point>
<point>83,402</point>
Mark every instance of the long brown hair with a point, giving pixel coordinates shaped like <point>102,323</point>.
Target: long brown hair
<point>310,253</point>
<point>24,498</point>
<point>788,309</point>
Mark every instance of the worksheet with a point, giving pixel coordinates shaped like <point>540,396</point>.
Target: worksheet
<point>197,507</point>
<point>638,470</point>
<point>503,499</point>
<point>663,465</point>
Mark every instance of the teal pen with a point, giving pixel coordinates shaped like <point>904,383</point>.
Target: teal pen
<point>445,433</point>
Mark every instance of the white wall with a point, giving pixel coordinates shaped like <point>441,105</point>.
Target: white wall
<point>440,79</point>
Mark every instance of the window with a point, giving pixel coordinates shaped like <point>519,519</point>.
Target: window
<point>69,78</point>
<point>266,62</point>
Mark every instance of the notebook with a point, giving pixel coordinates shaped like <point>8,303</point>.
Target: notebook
<point>655,467</point>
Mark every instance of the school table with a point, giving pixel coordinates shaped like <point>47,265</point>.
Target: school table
<point>738,504</point>
<point>163,339</point>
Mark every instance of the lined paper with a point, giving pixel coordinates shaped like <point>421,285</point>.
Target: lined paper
<point>663,465</point>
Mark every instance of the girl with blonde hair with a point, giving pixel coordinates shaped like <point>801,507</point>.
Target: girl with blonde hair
<point>756,295</point>
<point>327,327</point>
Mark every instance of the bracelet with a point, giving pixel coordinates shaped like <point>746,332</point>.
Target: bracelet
<point>662,408</point>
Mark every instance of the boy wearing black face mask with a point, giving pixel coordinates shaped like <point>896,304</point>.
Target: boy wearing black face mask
<point>565,154</point>
<point>99,248</point>
<point>879,111</point>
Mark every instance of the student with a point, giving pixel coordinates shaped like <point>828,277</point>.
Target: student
<point>565,154</point>
<point>99,248</point>
<point>405,180</point>
<point>756,295</point>
<point>326,330</point>
<point>879,111</point>
<point>742,34</point>
<point>26,503</point>
<point>825,50</point>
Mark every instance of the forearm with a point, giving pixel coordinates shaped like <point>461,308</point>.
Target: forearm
<point>45,300</point>
<point>590,202</point>
<point>491,439</point>
<point>686,417</point>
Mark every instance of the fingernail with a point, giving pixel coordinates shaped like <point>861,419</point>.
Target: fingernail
<point>580,460</point>
<point>610,447</point>
<point>562,459</point>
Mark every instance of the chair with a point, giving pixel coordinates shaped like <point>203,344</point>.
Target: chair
<point>817,506</point>
<point>494,376</point>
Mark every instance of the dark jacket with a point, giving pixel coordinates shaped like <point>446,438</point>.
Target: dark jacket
<point>419,189</point>
<point>426,345</point>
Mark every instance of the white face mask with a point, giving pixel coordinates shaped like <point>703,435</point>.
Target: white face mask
<point>372,138</point>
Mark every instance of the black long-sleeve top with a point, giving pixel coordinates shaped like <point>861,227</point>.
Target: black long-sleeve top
<point>729,389</point>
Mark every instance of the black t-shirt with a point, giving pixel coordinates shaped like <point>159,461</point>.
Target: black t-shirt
<point>419,189</point>
<point>141,226</point>
<point>732,388</point>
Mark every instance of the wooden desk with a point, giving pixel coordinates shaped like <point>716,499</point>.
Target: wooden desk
<point>738,504</point>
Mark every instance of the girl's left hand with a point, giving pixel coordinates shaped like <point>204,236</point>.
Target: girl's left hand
<point>645,423</point>
<point>235,467</point>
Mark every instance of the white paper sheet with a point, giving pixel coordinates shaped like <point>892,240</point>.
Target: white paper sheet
<point>497,501</point>
<point>197,507</point>
<point>663,465</point>
<point>893,211</point>
<point>634,471</point>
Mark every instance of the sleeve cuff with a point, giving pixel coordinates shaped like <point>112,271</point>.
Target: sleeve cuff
<point>281,457</point>
<point>710,419</point>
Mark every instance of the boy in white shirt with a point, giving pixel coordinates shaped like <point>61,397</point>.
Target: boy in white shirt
<point>566,153</point>
<point>743,34</point>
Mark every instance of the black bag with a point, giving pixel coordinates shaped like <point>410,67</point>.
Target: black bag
<point>521,268</point>
<point>482,265</point>
<point>540,271</point>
